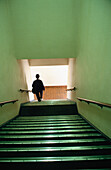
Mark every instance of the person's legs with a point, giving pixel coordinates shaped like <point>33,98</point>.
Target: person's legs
<point>38,98</point>
<point>41,94</point>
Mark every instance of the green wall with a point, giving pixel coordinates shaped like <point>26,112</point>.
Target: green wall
<point>58,29</point>
<point>44,28</point>
<point>12,77</point>
<point>93,64</point>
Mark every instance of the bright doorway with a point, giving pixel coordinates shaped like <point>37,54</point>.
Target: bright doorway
<point>56,74</point>
<point>54,79</point>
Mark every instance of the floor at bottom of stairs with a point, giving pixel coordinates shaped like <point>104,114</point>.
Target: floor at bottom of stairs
<point>61,142</point>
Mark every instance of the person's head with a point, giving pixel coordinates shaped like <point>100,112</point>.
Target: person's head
<point>37,76</point>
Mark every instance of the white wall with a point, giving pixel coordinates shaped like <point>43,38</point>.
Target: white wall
<point>28,78</point>
<point>51,75</point>
<point>71,78</point>
<point>48,62</point>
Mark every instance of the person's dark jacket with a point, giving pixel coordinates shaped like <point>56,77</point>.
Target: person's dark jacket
<point>37,86</point>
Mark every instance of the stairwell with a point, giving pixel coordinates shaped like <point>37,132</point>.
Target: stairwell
<point>51,134</point>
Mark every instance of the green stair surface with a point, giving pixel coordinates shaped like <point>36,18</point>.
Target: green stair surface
<point>49,107</point>
<point>49,140</point>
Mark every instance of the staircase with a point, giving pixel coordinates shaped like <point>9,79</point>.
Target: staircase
<point>42,139</point>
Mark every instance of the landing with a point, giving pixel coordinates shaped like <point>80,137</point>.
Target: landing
<point>48,108</point>
<point>50,102</point>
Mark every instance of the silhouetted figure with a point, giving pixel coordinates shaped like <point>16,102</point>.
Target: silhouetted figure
<point>38,88</point>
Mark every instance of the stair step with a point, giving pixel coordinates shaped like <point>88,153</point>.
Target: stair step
<point>47,140</point>
<point>52,136</point>
<point>55,151</point>
<point>42,118</point>
<point>48,119</point>
<point>46,125</point>
<point>47,128</point>
<point>49,124</point>
<point>45,149</point>
<point>56,159</point>
<point>52,142</point>
<point>58,162</point>
<point>48,131</point>
<point>46,122</point>
<point>47,110</point>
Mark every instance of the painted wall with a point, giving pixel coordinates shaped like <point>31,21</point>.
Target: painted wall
<point>51,75</point>
<point>48,62</point>
<point>71,83</point>
<point>11,72</point>
<point>44,28</point>
<point>28,77</point>
<point>94,61</point>
<point>58,29</point>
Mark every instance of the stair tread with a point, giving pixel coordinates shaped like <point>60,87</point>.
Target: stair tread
<point>44,125</point>
<point>51,123</point>
<point>51,117</point>
<point>51,136</point>
<point>44,136</point>
<point>48,131</point>
<point>50,102</point>
<point>45,149</point>
<point>54,141</point>
<point>56,159</point>
<point>46,122</point>
<point>57,127</point>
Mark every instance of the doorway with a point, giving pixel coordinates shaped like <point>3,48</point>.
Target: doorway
<point>61,78</point>
<point>54,78</point>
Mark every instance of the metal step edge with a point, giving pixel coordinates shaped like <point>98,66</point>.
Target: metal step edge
<point>56,159</point>
<point>51,149</point>
<point>54,141</point>
<point>49,136</point>
<point>48,131</point>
